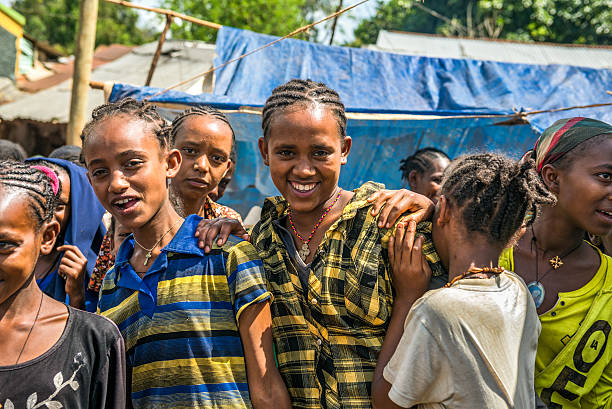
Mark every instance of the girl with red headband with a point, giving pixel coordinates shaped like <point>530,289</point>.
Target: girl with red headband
<point>570,279</point>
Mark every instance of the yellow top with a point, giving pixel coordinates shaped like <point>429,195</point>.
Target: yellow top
<point>573,362</point>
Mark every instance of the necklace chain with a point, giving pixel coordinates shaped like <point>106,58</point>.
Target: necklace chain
<point>149,251</point>
<point>476,270</point>
<point>31,328</point>
<point>556,262</point>
<point>305,251</point>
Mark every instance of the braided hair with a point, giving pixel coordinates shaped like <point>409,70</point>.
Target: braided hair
<point>303,92</point>
<point>202,110</point>
<point>494,193</point>
<point>19,177</point>
<point>129,107</point>
<point>420,161</point>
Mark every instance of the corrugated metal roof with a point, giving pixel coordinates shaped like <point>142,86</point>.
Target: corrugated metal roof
<point>179,60</point>
<point>493,50</point>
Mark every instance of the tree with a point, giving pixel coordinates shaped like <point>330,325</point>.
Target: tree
<point>559,21</point>
<point>263,16</point>
<point>55,21</point>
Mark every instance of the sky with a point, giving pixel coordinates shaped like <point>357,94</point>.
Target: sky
<point>344,32</point>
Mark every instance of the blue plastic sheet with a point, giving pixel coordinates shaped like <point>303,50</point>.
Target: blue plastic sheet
<point>379,82</point>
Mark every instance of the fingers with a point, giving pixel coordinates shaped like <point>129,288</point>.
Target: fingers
<point>70,250</point>
<point>380,198</point>
<point>391,250</point>
<point>409,242</point>
<point>390,206</point>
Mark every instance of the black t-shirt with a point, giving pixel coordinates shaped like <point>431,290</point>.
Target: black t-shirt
<point>84,369</point>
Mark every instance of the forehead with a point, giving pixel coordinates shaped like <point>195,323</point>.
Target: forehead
<point>14,209</point>
<point>595,153</point>
<point>299,121</point>
<point>118,134</point>
<point>204,129</point>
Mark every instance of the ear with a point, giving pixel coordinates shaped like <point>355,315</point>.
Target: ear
<point>347,142</point>
<point>444,212</point>
<point>173,162</point>
<point>263,149</point>
<point>50,231</point>
<point>412,179</point>
<point>550,176</point>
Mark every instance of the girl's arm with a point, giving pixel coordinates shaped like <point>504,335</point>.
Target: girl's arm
<point>266,386</point>
<point>411,275</point>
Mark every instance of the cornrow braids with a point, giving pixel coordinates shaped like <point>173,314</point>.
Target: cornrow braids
<point>420,161</point>
<point>303,92</point>
<point>495,193</point>
<point>129,106</point>
<point>20,177</point>
<point>201,110</point>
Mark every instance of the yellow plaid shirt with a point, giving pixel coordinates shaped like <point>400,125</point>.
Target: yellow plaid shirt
<point>328,338</point>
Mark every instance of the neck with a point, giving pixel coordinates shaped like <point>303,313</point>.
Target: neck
<point>473,253</point>
<point>24,302</point>
<point>554,232</point>
<point>164,220</point>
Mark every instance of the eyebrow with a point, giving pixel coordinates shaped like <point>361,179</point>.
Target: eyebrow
<point>129,152</point>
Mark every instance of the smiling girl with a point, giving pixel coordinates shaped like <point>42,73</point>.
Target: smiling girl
<point>196,326</point>
<point>571,280</point>
<point>53,355</point>
<point>323,250</point>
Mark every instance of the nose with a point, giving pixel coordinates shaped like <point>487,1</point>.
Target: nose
<point>118,182</point>
<point>201,164</point>
<point>303,169</point>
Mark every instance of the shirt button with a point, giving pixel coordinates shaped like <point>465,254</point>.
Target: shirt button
<point>314,301</point>
<point>319,342</point>
<point>562,303</point>
<point>554,314</point>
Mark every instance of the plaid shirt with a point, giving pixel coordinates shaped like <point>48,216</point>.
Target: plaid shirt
<point>328,338</point>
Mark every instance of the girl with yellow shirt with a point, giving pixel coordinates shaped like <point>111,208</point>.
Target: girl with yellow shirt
<point>569,279</point>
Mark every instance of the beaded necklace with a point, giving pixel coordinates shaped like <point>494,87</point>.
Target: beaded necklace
<point>304,252</point>
<point>473,271</point>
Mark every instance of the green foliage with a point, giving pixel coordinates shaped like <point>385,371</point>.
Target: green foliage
<point>56,22</point>
<point>263,16</point>
<point>559,21</point>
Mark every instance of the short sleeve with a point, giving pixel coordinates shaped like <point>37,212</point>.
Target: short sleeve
<point>245,277</point>
<point>418,370</point>
<point>110,384</point>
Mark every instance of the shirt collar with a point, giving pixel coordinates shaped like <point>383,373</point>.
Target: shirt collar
<point>184,242</point>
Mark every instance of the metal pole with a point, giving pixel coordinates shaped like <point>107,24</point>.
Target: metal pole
<point>160,44</point>
<point>83,58</point>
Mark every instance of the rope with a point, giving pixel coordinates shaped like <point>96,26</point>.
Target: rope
<point>291,34</point>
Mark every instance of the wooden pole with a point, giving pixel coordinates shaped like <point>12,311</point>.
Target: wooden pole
<point>168,13</point>
<point>83,59</point>
<point>333,30</point>
<point>160,44</point>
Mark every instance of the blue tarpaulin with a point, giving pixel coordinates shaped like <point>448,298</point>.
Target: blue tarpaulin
<point>375,82</point>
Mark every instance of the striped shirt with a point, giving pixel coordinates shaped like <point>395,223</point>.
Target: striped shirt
<point>180,321</point>
<point>328,335</point>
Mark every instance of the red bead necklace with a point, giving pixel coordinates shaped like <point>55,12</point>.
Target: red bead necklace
<point>304,252</point>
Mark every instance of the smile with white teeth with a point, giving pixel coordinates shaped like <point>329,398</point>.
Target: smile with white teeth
<point>303,188</point>
<point>606,213</point>
<point>120,202</point>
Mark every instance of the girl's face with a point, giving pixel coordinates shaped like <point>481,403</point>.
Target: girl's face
<point>128,169</point>
<point>20,241</point>
<point>429,182</point>
<point>584,188</point>
<point>305,152</point>
<point>62,208</point>
<point>205,144</point>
